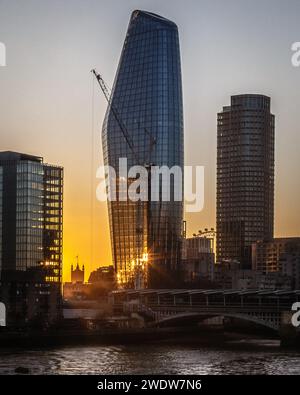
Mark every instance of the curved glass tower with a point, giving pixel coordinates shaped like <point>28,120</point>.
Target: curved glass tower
<point>147,95</point>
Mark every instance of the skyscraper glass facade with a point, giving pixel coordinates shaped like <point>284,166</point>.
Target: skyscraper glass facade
<point>53,221</point>
<point>245,177</point>
<point>31,215</point>
<point>31,208</point>
<point>147,94</point>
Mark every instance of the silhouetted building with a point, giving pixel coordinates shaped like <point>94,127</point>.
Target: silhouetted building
<point>245,177</point>
<point>147,95</point>
<point>76,289</point>
<point>101,281</point>
<point>31,195</point>
<point>30,299</point>
<point>104,274</point>
<point>77,274</point>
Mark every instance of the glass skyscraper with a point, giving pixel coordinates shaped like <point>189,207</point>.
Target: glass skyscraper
<point>31,214</point>
<point>31,199</point>
<point>245,177</point>
<point>147,95</point>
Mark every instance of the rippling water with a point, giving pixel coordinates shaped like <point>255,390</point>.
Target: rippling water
<point>257,358</point>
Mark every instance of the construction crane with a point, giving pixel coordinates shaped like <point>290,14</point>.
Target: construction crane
<point>140,256</point>
<point>123,128</point>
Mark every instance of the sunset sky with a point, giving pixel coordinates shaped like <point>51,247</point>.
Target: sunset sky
<point>46,95</point>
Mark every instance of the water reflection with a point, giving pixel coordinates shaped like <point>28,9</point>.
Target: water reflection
<point>264,358</point>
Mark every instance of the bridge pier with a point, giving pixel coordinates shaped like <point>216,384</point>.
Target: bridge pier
<point>289,334</point>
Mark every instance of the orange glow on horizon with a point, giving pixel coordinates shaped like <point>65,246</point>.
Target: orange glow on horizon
<point>86,231</point>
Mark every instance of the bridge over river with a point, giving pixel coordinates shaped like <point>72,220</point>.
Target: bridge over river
<point>268,308</point>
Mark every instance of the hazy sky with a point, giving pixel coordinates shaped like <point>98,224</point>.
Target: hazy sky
<point>227,47</point>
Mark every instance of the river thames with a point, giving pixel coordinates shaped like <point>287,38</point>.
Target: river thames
<point>256,357</point>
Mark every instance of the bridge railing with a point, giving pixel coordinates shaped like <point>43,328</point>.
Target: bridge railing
<point>207,299</point>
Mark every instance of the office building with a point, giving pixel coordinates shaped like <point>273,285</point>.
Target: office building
<point>147,96</point>
<point>245,177</point>
<point>267,256</point>
<point>31,195</point>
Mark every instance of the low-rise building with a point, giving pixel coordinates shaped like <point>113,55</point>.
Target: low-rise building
<point>197,264</point>
<point>101,281</point>
<point>104,274</point>
<point>266,253</point>
<point>290,267</point>
<point>29,299</point>
<point>76,291</point>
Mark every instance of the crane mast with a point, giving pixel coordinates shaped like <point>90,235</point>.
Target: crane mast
<point>115,112</point>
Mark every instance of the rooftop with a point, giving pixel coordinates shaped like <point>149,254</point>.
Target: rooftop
<point>18,156</point>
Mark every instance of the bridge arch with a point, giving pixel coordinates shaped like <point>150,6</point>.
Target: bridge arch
<point>265,321</point>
